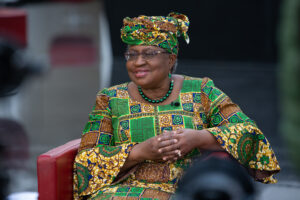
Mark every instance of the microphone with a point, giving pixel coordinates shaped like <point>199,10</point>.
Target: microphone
<point>176,104</point>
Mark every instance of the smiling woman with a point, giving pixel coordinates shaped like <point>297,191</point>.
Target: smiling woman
<point>151,74</point>
<point>138,142</point>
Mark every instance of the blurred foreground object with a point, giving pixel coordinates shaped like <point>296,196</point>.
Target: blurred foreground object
<point>289,77</point>
<point>14,68</point>
<point>13,23</point>
<point>216,179</point>
<point>14,143</point>
<point>14,151</point>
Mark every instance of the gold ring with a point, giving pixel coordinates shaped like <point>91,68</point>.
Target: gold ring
<point>179,153</point>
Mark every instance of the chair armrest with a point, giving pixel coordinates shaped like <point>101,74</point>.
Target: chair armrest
<point>55,172</point>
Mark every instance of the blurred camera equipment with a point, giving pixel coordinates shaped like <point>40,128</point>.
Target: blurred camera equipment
<point>216,179</point>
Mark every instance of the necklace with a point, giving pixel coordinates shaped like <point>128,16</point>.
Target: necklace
<point>158,100</point>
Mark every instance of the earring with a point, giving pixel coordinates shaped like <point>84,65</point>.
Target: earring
<point>170,75</point>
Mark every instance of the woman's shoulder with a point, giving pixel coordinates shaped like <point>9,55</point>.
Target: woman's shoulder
<point>197,82</point>
<point>193,78</point>
<point>114,91</point>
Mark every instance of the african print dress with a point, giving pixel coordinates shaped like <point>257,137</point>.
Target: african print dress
<point>118,122</point>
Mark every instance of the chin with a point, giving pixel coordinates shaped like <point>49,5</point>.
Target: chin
<point>138,81</point>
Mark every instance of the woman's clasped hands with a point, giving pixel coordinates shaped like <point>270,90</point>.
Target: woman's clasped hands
<point>175,144</point>
<point>169,146</point>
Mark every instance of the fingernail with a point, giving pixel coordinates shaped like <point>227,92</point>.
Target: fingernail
<point>159,150</point>
<point>164,158</point>
<point>175,140</point>
<point>159,139</point>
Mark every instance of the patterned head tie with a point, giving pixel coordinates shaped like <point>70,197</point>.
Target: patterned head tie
<point>156,31</point>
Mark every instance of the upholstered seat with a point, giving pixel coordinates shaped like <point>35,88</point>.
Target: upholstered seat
<point>55,172</point>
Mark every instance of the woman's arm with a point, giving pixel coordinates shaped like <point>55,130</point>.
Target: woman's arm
<point>231,130</point>
<point>238,134</point>
<point>99,160</point>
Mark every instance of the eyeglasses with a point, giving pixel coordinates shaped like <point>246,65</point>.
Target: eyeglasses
<point>148,55</point>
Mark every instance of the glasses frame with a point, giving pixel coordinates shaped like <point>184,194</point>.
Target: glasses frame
<point>144,55</point>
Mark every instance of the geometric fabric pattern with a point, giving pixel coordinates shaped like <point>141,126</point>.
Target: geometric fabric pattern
<point>133,193</point>
<point>157,31</point>
<point>118,122</point>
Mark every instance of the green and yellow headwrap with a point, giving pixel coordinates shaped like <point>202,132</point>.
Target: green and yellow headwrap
<point>156,31</point>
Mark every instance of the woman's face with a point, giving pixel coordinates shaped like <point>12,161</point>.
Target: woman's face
<point>149,73</point>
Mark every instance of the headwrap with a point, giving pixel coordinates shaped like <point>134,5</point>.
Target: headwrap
<point>156,31</point>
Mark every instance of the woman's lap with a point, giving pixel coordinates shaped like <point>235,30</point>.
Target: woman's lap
<point>133,193</point>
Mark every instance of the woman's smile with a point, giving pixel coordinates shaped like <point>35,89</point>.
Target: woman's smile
<point>141,73</point>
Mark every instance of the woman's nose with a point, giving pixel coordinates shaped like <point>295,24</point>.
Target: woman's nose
<point>140,60</point>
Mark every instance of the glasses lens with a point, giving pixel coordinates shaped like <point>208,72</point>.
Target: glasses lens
<point>148,55</point>
<point>126,56</point>
<point>130,56</point>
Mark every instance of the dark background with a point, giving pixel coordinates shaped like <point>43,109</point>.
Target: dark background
<point>230,30</point>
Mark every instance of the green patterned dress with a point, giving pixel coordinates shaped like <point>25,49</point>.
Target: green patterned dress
<point>117,123</point>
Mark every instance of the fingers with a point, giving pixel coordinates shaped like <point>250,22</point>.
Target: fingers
<point>166,139</point>
<point>178,131</point>
<point>170,158</point>
<point>167,135</point>
<point>167,143</point>
<point>175,156</point>
<point>168,146</point>
<point>176,152</point>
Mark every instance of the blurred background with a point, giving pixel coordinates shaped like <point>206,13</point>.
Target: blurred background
<point>74,49</point>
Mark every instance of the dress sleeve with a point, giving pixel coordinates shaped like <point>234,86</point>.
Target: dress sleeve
<point>238,134</point>
<point>98,161</point>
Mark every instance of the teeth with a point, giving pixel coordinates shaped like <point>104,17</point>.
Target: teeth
<point>141,73</point>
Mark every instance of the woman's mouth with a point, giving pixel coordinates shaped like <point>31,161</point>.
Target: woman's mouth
<point>141,74</point>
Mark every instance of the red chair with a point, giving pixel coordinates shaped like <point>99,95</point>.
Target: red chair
<point>55,172</point>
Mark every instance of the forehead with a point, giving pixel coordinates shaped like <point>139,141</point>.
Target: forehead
<point>143,48</point>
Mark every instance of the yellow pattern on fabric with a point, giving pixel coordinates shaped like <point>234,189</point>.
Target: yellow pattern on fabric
<point>101,175</point>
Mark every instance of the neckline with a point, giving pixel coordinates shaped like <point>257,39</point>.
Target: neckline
<point>176,100</point>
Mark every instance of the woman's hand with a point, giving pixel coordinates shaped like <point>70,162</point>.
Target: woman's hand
<point>172,145</point>
<point>189,139</point>
<point>151,149</point>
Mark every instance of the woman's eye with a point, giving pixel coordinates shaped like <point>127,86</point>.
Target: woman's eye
<point>132,53</point>
<point>151,53</point>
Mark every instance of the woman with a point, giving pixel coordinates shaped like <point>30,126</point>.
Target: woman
<point>143,134</point>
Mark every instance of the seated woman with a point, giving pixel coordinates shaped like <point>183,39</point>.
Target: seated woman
<point>142,135</point>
